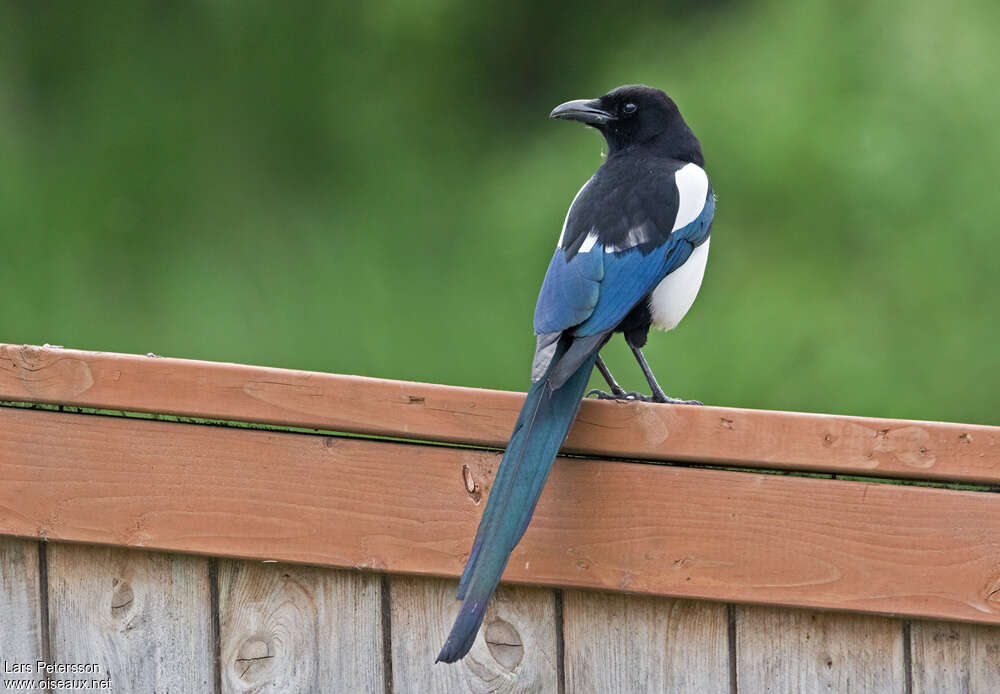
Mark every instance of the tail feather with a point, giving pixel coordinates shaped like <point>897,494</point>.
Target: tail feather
<point>581,349</point>
<point>541,429</point>
<point>509,472</point>
<point>507,475</point>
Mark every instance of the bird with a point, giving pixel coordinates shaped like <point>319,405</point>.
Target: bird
<point>631,255</point>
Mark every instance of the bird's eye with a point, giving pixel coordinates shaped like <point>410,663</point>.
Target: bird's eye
<point>629,108</point>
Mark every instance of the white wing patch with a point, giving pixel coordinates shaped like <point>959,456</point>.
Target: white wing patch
<point>636,236</point>
<point>562,234</point>
<point>692,190</point>
<point>588,242</point>
<point>675,293</point>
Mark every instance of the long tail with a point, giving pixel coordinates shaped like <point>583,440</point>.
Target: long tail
<point>540,430</point>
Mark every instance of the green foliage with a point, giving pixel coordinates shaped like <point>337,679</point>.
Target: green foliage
<point>374,188</point>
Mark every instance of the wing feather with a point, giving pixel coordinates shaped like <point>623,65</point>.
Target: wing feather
<point>595,279</point>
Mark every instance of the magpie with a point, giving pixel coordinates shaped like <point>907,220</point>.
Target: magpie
<point>631,254</point>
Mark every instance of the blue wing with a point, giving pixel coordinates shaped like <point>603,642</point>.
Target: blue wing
<point>590,291</point>
<point>571,290</point>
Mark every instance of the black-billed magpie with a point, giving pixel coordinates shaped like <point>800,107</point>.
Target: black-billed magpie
<point>631,254</point>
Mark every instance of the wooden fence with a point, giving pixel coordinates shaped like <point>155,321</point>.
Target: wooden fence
<point>315,546</point>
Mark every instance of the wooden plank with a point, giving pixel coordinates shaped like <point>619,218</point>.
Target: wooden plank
<point>635,643</point>
<point>802,651</point>
<point>143,617</point>
<point>20,605</point>
<point>730,436</point>
<point>955,658</point>
<point>515,650</point>
<point>632,527</point>
<point>287,628</point>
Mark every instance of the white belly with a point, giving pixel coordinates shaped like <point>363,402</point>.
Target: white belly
<point>676,292</point>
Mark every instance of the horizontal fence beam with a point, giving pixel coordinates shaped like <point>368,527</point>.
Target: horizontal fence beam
<point>409,508</point>
<point>352,404</point>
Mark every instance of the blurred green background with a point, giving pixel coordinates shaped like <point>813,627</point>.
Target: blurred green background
<point>374,188</point>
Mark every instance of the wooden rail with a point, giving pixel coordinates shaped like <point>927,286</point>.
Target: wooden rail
<point>719,435</point>
<point>406,508</point>
<point>410,509</point>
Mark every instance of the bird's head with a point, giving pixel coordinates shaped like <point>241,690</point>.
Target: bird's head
<point>635,115</point>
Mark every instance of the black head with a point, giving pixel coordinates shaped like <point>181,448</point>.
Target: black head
<point>636,115</point>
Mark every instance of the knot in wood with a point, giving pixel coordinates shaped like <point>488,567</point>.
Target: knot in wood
<point>122,597</point>
<point>993,592</point>
<point>253,658</point>
<point>504,643</point>
<point>46,375</point>
<point>471,486</point>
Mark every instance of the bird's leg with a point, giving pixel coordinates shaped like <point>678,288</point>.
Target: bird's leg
<point>617,392</point>
<point>658,394</point>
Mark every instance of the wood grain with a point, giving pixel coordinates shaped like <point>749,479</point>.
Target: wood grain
<point>730,436</point>
<point>955,658</point>
<point>802,651</point>
<point>632,527</point>
<point>20,611</point>
<point>640,644</point>
<point>514,652</point>
<point>144,617</point>
<point>286,628</point>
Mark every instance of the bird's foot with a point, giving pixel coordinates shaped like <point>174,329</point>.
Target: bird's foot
<point>618,394</point>
<point>662,398</point>
<point>677,401</point>
<point>633,395</point>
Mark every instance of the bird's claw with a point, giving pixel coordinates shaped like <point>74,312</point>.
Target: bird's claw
<point>678,401</point>
<point>636,396</point>
<point>642,397</point>
<point>604,395</point>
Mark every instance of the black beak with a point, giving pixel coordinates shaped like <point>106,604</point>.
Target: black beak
<point>587,111</point>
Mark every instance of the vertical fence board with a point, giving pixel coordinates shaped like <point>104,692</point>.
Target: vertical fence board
<point>515,651</point>
<point>783,650</point>
<point>286,628</point>
<point>20,610</point>
<point>144,617</point>
<point>632,643</point>
<point>955,658</point>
